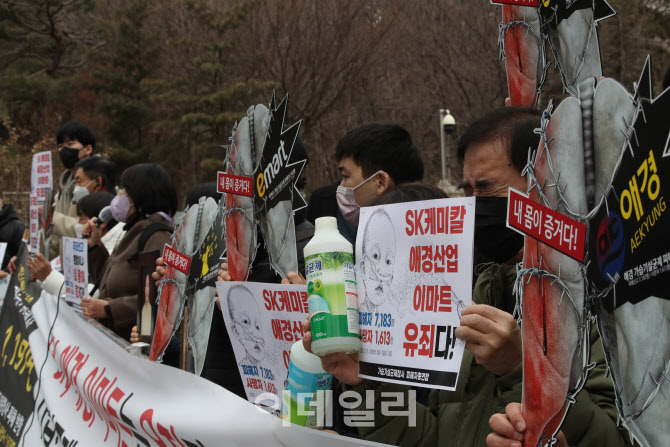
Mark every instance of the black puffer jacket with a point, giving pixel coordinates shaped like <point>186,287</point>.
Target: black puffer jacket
<point>11,231</point>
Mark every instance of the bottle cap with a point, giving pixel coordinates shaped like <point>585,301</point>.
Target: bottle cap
<point>325,223</point>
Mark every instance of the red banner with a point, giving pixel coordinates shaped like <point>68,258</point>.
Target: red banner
<point>546,225</point>
<point>177,260</point>
<point>517,2</point>
<point>234,184</point>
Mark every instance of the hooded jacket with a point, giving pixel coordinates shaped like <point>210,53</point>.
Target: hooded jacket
<point>11,231</point>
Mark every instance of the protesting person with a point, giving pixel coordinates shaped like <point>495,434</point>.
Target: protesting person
<point>76,142</point>
<point>93,174</point>
<point>145,204</point>
<point>494,150</point>
<point>87,208</point>
<point>372,160</point>
<point>11,232</point>
<point>323,202</point>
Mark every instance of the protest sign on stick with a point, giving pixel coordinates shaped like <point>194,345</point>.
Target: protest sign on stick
<point>630,256</point>
<point>34,224</point>
<point>4,282</point>
<point>75,269</point>
<point>41,177</point>
<point>414,277</point>
<point>265,148</point>
<point>3,250</point>
<point>550,227</point>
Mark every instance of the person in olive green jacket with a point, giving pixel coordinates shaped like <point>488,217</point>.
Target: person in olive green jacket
<point>494,150</point>
<point>461,417</point>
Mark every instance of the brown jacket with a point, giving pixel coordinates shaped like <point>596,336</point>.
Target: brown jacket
<point>118,279</point>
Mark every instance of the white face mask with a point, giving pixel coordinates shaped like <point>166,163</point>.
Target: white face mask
<point>79,230</point>
<point>81,191</point>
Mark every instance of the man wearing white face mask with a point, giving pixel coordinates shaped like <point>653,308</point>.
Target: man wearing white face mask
<point>372,159</point>
<point>93,174</point>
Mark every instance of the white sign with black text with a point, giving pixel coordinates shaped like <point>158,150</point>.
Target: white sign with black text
<point>75,270</point>
<point>414,278</point>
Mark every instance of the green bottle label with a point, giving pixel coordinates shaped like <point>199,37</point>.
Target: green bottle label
<point>332,299</point>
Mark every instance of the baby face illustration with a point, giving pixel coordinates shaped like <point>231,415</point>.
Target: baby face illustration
<point>246,320</point>
<point>378,257</point>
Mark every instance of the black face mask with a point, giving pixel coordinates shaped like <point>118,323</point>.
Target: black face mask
<point>493,239</point>
<point>68,156</point>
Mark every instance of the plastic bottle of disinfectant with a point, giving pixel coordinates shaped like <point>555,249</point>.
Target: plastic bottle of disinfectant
<point>305,377</point>
<point>331,289</point>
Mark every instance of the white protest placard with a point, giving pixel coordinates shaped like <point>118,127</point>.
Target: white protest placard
<point>4,284</point>
<point>56,265</point>
<point>5,281</point>
<point>34,224</point>
<point>75,270</point>
<point>263,321</point>
<point>414,277</point>
<point>3,249</point>
<point>41,176</point>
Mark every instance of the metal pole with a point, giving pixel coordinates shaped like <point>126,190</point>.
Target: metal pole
<point>443,146</point>
<point>446,168</point>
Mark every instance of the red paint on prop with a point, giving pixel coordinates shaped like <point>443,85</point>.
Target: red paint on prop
<point>521,59</point>
<point>168,307</point>
<point>238,227</point>
<point>550,334</point>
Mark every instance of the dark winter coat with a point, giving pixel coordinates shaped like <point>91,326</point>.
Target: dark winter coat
<point>11,232</point>
<point>118,279</point>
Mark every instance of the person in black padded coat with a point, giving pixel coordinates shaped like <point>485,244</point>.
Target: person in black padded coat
<point>11,231</point>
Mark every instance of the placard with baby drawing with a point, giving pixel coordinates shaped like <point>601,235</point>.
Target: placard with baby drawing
<point>414,278</point>
<point>263,321</point>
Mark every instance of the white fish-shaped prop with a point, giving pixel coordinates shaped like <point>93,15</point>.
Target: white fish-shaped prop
<point>245,149</point>
<point>263,150</point>
<point>569,26</point>
<point>554,323</point>
<point>522,46</point>
<point>630,251</point>
<point>173,286</point>
<point>276,197</point>
<point>201,300</point>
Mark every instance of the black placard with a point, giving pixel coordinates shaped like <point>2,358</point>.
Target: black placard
<point>422,377</point>
<point>628,238</point>
<point>278,170</point>
<point>18,369</point>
